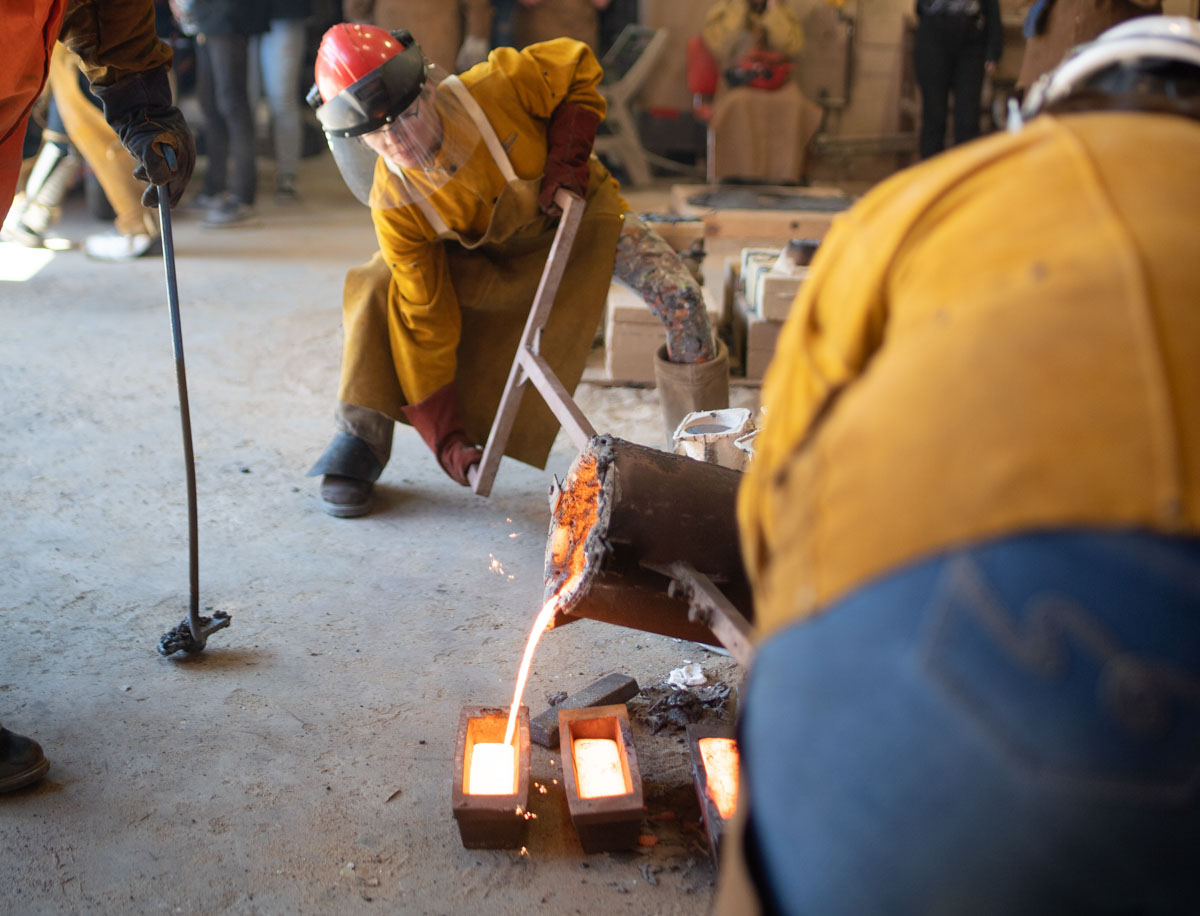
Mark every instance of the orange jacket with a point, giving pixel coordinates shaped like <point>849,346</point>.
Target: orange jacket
<point>114,38</point>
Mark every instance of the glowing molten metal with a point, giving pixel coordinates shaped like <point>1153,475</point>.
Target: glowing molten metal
<point>598,771</point>
<point>493,770</point>
<point>720,756</point>
<point>576,512</point>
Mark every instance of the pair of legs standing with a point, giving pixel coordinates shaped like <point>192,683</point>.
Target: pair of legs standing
<point>280,56</point>
<point>949,56</point>
<point>221,84</point>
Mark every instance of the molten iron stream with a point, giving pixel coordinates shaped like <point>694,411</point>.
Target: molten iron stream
<point>576,513</point>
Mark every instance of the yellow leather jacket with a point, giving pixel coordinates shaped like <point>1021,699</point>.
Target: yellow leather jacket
<point>1005,338</point>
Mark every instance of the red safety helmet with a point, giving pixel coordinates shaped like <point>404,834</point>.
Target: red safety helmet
<point>365,77</point>
<point>377,98</point>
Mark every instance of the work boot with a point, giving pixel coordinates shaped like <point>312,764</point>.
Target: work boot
<point>687,387</point>
<point>438,421</point>
<point>345,497</point>
<point>351,469</point>
<point>21,761</point>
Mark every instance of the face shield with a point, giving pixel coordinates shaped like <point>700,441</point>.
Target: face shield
<point>396,134</point>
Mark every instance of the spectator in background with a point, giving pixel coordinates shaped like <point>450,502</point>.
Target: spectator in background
<point>957,41</point>
<point>736,29</point>
<point>542,20</point>
<point>281,57</point>
<point>223,32</point>
<point>761,122</point>
<point>455,33</point>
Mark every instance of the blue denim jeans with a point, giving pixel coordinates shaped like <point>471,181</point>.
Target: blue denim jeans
<point>1011,728</point>
<point>281,55</point>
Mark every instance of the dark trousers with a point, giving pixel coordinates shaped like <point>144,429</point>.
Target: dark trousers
<point>222,88</point>
<point>948,56</point>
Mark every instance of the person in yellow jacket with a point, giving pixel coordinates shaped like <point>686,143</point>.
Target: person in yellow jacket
<point>735,28</point>
<point>127,67</point>
<point>542,20</point>
<point>460,174</point>
<point>972,522</point>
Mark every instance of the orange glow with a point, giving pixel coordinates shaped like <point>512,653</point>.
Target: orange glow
<point>598,771</point>
<point>493,770</point>
<point>720,756</point>
<point>575,514</point>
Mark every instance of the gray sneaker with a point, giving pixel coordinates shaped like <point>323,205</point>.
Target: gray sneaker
<point>115,247</point>
<point>230,213</point>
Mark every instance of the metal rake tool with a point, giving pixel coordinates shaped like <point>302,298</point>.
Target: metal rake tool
<point>193,631</point>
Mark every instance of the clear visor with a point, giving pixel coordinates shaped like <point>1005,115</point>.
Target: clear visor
<point>413,155</point>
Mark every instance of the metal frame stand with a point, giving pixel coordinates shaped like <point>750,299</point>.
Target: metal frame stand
<point>529,365</point>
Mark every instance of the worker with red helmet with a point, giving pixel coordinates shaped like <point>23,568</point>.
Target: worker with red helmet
<point>460,173</point>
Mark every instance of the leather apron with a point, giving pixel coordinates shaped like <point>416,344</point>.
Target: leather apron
<point>495,278</point>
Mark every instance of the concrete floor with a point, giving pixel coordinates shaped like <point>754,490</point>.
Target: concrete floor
<point>302,764</point>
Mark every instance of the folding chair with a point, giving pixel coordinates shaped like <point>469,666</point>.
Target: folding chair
<point>627,65</point>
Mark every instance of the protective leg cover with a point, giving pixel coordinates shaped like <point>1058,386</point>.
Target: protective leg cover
<point>687,387</point>
<point>348,456</point>
<point>439,421</point>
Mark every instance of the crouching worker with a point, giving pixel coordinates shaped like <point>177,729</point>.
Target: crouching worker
<point>460,174</point>
<point>972,524</point>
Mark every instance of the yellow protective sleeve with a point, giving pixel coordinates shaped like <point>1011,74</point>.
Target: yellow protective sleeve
<point>1004,338</point>
<point>518,91</point>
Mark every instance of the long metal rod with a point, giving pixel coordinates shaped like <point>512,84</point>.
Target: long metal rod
<point>185,419</point>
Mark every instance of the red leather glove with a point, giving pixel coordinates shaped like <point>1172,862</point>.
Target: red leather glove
<point>569,139</point>
<point>437,420</point>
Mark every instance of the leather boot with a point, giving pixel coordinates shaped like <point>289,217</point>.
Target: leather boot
<point>351,469</point>
<point>438,421</point>
<point>21,761</point>
<point>687,387</point>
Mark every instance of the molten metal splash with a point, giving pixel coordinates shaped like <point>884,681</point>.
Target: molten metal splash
<point>720,756</point>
